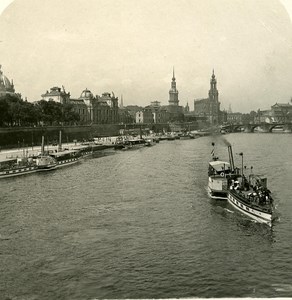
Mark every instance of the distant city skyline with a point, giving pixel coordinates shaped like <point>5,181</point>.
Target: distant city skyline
<point>131,47</point>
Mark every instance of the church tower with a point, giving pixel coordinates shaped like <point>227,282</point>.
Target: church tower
<point>213,92</point>
<point>214,104</point>
<point>173,92</point>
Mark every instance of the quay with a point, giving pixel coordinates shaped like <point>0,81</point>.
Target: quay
<point>98,145</point>
<point>33,151</point>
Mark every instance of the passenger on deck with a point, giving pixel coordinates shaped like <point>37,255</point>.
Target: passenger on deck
<point>232,185</point>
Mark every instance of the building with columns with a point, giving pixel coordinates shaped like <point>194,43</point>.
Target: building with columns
<point>91,109</point>
<point>209,107</point>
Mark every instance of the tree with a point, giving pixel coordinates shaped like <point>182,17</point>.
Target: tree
<point>68,114</point>
<point>4,107</point>
<point>49,112</point>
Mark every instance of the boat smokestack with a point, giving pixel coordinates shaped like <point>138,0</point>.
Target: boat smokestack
<point>43,145</point>
<point>60,141</point>
<point>231,160</point>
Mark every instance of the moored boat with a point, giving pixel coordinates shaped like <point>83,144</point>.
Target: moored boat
<point>149,142</point>
<point>45,163</point>
<point>126,143</point>
<point>17,167</point>
<point>187,136</point>
<point>65,157</point>
<point>170,137</point>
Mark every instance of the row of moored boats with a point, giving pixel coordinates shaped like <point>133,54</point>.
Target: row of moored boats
<point>53,159</point>
<point>44,161</point>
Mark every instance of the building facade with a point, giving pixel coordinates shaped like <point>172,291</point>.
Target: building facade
<point>57,95</point>
<point>160,114</point>
<point>6,87</point>
<point>234,118</point>
<point>91,109</point>
<point>145,116</point>
<point>281,112</point>
<point>209,107</point>
<point>106,109</point>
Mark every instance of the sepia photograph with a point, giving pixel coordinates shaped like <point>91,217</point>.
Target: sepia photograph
<point>145,149</point>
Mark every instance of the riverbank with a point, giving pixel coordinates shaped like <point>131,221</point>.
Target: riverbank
<point>16,137</point>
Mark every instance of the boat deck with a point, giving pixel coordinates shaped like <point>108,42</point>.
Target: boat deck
<point>254,200</point>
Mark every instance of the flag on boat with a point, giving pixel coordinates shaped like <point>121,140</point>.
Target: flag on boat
<point>212,152</point>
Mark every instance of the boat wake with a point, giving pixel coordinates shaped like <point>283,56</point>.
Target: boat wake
<point>282,287</point>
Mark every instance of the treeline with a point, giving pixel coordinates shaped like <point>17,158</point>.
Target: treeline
<point>15,111</point>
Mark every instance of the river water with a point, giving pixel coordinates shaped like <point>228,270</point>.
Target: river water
<point>139,224</point>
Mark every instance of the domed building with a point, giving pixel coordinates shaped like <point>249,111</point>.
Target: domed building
<point>91,109</point>
<point>6,88</point>
<point>87,98</point>
<point>96,109</point>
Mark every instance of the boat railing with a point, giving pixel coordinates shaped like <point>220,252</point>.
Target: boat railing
<point>250,202</point>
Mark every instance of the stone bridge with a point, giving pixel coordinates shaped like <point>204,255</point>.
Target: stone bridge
<point>260,127</point>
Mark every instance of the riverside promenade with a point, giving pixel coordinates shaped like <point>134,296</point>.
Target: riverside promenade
<point>9,154</point>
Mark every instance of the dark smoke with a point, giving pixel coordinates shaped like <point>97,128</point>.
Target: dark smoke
<point>220,140</point>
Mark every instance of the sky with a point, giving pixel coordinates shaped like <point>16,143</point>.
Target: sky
<point>130,47</point>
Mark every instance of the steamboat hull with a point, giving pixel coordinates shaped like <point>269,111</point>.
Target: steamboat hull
<point>217,195</point>
<point>46,168</point>
<point>18,172</point>
<point>252,211</point>
<point>67,162</point>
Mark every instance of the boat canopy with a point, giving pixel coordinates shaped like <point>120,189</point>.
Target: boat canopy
<point>63,153</point>
<point>220,166</point>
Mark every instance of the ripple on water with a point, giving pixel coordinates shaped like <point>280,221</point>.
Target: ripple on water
<point>139,224</point>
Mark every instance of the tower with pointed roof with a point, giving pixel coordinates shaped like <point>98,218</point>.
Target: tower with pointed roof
<point>213,101</point>
<point>213,92</point>
<point>209,108</point>
<point>173,92</point>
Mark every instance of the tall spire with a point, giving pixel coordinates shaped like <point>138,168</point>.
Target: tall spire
<point>173,92</point>
<point>122,103</point>
<point>213,92</point>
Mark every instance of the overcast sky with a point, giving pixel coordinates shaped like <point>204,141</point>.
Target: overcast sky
<point>130,47</point>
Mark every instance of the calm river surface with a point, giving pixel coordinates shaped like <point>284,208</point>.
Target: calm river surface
<point>139,224</point>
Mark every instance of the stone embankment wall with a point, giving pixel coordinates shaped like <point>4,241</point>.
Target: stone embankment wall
<point>13,137</point>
